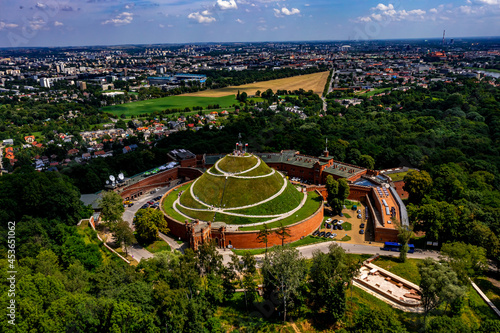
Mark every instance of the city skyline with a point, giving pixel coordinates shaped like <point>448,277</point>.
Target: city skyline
<point>101,22</point>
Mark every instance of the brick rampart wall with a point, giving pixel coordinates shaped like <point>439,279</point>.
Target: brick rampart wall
<point>248,239</point>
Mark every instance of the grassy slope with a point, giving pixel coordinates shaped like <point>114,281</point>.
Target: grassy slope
<point>287,201</point>
<point>237,164</point>
<point>168,202</point>
<point>407,270</point>
<point>170,102</point>
<point>238,192</point>
<point>312,204</point>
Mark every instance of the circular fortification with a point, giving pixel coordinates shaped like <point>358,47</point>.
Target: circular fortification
<point>232,201</point>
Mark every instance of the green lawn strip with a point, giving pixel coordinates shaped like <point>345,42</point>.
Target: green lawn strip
<point>348,204</point>
<point>242,192</point>
<point>399,176</point>
<point>308,240</point>
<point>157,246</point>
<point>288,200</point>
<point>347,215</point>
<point>262,169</point>
<point>214,170</point>
<point>489,289</point>
<point>374,92</point>
<point>168,203</point>
<point>237,164</point>
<point>407,270</point>
<point>90,237</point>
<point>170,102</point>
<point>203,216</point>
<point>475,309</point>
<point>347,226</point>
<point>231,219</point>
<point>188,201</point>
<point>344,239</point>
<point>311,205</point>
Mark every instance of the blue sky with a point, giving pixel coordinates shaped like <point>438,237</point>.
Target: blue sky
<point>109,22</point>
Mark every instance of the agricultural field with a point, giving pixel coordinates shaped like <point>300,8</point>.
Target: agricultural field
<point>315,82</point>
<point>170,102</point>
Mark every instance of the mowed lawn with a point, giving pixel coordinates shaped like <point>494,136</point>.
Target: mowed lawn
<point>315,82</point>
<point>170,102</point>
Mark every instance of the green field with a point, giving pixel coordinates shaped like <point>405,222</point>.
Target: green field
<point>170,102</point>
<point>375,92</point>
<point>407,270</point>
<point>400,175</point>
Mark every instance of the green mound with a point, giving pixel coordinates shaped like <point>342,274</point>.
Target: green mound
<point>236,164</point>
<point>236,192</point>
<point>256,191</point>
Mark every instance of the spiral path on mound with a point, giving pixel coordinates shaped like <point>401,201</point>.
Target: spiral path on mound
<point>227,211</point>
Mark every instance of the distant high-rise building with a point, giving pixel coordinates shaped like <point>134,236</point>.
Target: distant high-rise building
<point>45,82</point>
<point>82,85</point>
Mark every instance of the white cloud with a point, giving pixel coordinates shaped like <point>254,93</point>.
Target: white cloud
<point>161,25</point>
<point>261,28</point>
<point>388,13</point>
<point>489,2</point>
<point>201,18</point>
<point>285,11</point>
<point>4,25</point>
<point>293,11</point>
<point>227,4</point>
<point>121,19</point>
<point>433,10</point>
<point>37,24</point>
<point>58,24</point>
<point>239,21</point>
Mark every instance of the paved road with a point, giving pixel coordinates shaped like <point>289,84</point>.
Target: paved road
<point>308,250</point>
<point>137,251</point>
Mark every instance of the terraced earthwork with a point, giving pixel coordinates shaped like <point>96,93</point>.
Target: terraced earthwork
<point>241,190</point>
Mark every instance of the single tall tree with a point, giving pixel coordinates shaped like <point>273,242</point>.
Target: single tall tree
<point>330,275</point>
<point>284,271</point>
<point>405,234</point>
<point>263,235</point>
<point>439,284</point>
<point>111,206</point>
<point>124,235</point>
<point>282,232</point>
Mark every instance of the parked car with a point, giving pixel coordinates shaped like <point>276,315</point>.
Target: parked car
<point>335,227</point>
<point>359,216</point>
<point>335,221</point>
<point>131,204</point>
<point>322,234</point>
<point>341,214</point>
<point>359,211</point>
<point>328,234</point>
<point>340,227</point>
<point>333,235</point>
<point>362,225</point>
<point>316,233</point>
<point>328,220</point>
<point>362,231</point>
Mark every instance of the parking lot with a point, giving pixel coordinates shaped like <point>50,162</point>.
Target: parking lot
<point>361,230</point>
